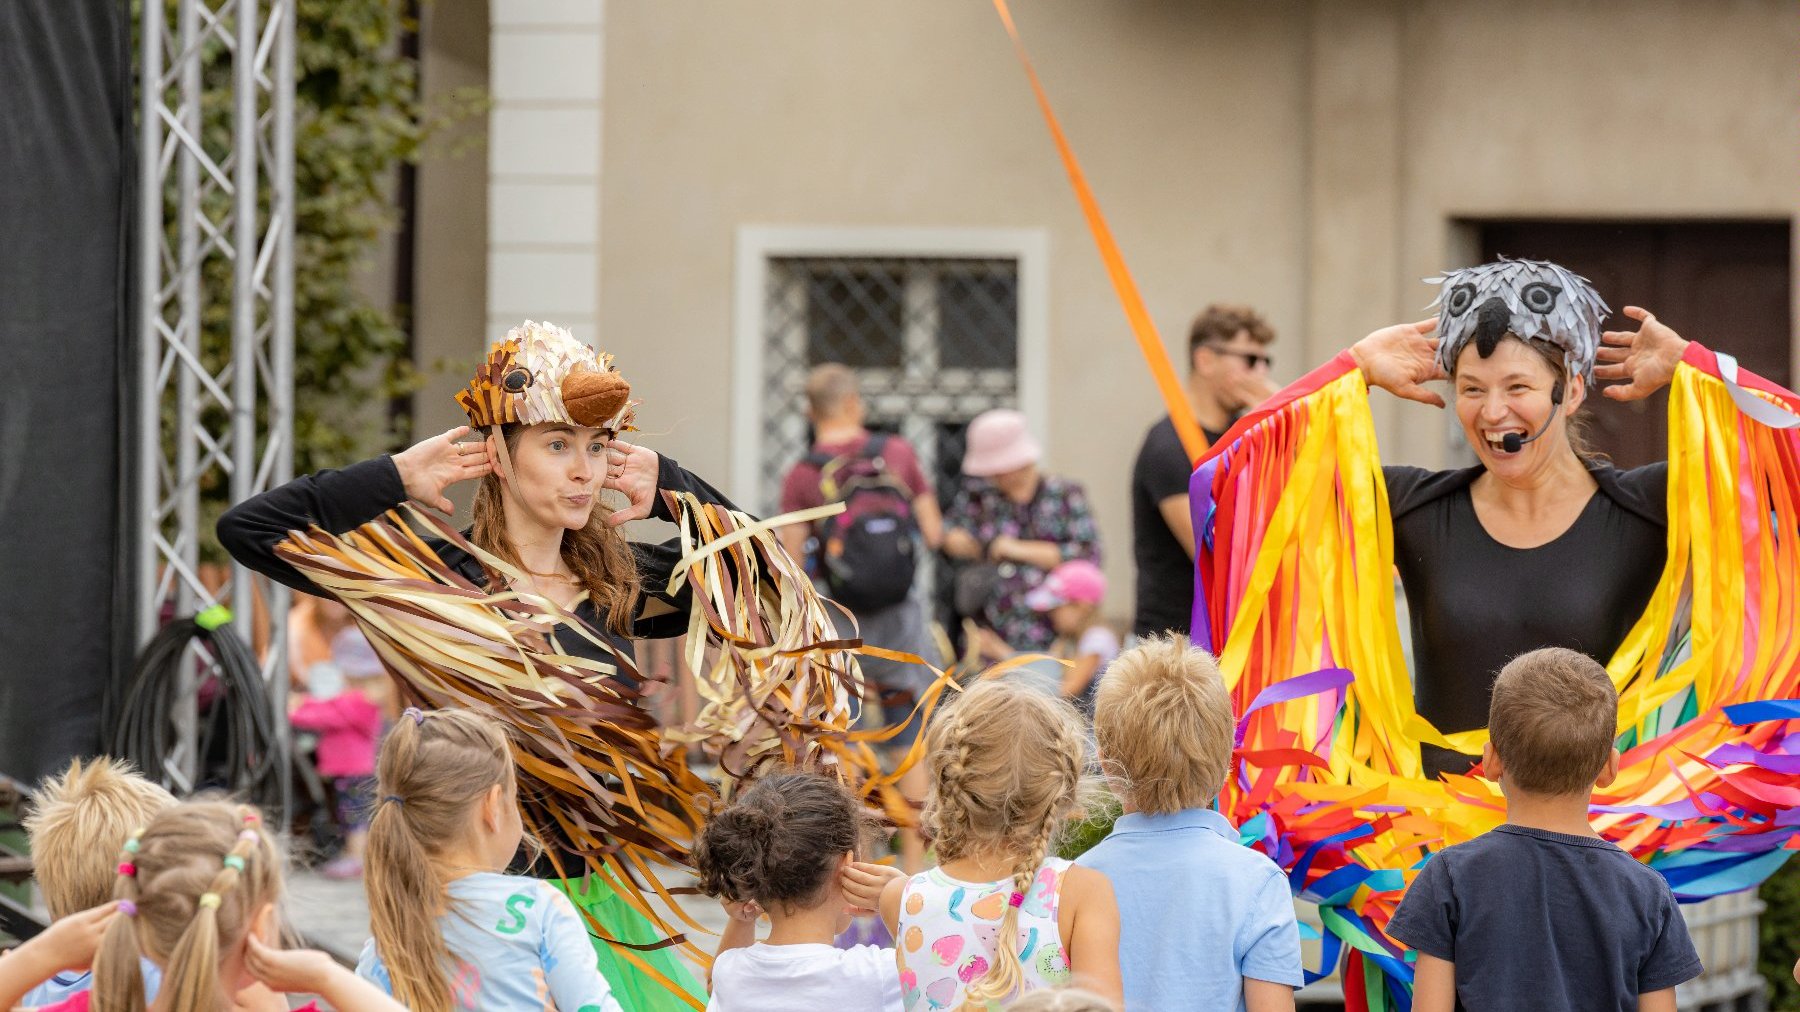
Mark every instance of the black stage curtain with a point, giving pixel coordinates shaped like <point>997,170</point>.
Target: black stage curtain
<point>66,185</point>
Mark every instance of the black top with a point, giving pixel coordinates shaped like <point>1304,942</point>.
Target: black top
<point>340,501</point>
<point>1541,920</point>
<point>1165,573</point>
<point>1477,603</point>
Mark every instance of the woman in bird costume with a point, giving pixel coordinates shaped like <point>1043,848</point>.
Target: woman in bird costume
<point>1683,578</point>
<point>530,614</point>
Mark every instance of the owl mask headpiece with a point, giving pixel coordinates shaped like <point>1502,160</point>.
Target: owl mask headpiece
<point>1530,299</point>
<point>539,373</point>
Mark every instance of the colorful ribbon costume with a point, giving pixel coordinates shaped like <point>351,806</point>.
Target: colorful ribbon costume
<point>1295,592</point>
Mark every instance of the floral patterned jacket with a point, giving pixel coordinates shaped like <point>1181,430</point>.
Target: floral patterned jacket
<point>1058,513</point>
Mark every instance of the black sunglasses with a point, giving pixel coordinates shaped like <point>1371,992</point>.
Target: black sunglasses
<point>1251,359</point>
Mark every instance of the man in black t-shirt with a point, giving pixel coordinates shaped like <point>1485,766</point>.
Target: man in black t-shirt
<point>1228,374</point>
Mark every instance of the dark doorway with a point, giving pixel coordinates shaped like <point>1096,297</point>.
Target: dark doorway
<point>1723,283</point>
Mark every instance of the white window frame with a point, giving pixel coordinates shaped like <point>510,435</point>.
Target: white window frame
<point>757,245</point>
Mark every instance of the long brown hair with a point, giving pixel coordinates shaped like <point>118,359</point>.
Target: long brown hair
<point>435,767</point>
<point>197,874</point>
<point>597,554</point>
<point>1006,766</point>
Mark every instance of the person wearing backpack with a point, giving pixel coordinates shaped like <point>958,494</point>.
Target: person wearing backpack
<point>865,557</point>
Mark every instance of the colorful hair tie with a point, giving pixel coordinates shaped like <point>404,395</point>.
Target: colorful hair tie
<point>1016,900</point>
<point>252,817</point>
<point>395,798</point>
<point>132,845</point>
<point>127,869</point>
<point>128,908</point>
<point>209,901</point>
<point>234,861</point>
<point>249,836</point>
<point>415,713</point>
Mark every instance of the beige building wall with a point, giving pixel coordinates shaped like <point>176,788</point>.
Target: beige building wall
<point>917,115</point>
<point>451,227</point>
<point>1313,159</point>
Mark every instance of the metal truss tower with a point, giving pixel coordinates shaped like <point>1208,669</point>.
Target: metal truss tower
<point>214,268</point>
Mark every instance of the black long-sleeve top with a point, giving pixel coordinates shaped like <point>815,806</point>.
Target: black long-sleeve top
<point>1476,603</point>
<point>342,500</point>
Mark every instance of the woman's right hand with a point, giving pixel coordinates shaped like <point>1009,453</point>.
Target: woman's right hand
<point>1400,359</point>
<point>428,468</point>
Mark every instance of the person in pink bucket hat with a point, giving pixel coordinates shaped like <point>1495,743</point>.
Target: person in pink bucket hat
<point>1013,524</point>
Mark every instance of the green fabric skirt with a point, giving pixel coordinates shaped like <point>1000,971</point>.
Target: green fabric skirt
<point>636,990</point>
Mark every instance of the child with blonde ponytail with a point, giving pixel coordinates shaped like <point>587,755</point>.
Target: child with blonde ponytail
<point>1000,915</point>
<point>196,894</point>
<point>451,930</point>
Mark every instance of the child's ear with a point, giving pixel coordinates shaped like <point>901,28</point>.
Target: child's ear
<point>266,926</point>
<point>492,806</point>
<point>1491,764</point>
<point>1609,772</point>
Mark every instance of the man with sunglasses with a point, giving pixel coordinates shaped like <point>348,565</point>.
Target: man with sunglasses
<point>1228,374</point>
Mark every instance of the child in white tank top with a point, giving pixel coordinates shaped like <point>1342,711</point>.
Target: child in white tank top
<point>1000,916</point>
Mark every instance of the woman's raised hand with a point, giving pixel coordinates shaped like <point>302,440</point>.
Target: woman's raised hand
<point>633,470</point>
<point>1638,362</point>
<point>429,467</point>
<point>1401,359</point>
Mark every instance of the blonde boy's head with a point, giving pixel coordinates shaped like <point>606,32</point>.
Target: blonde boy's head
<point>1552,720</point>
<point>1164,726</point>
<point>77,824</point>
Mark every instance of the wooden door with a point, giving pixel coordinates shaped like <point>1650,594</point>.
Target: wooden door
<point>1723,283</point>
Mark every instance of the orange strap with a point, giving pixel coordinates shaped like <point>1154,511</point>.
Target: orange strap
<point>1149,341</point>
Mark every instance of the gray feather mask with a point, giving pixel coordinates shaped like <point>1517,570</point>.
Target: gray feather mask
<point>1530,299</point>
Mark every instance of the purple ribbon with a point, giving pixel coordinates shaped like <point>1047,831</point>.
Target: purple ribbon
<point>1725,755</point>
<point>1298,687</point>
<point>1200,501</point>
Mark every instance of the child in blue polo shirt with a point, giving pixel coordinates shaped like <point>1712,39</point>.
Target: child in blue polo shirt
<point>1204,923</point>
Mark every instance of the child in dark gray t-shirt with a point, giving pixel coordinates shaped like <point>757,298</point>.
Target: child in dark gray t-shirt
<point>1541,913</point>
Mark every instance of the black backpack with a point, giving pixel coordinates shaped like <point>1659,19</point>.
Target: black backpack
<point>866,553</point>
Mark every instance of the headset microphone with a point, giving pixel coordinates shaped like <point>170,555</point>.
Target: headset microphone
<point>1511,442</point>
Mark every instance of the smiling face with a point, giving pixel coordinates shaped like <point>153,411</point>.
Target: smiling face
<point>1510,392</point>
<point>557,471</point>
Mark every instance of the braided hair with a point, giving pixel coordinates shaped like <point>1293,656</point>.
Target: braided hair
<point>1006,764</point>
<point>190,884</point>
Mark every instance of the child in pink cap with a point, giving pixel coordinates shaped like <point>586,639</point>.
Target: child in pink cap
<point>1070,596</point>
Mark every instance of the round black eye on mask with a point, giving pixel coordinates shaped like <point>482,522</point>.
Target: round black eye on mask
<point>516,379</point>
<point>1539,297</point>
<point>1460,298</point>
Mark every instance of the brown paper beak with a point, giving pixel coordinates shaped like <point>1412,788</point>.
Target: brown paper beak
<point>594,398</point>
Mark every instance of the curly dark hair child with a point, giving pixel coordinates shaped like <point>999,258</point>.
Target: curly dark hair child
<point>787,845</point>
<point>780,841</point>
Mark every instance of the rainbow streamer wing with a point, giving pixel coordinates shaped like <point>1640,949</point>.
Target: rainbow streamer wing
<point>1295,592</point>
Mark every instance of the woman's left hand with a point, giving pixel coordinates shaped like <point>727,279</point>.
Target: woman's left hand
<point>633,470</point>
<point>1642,361</point>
